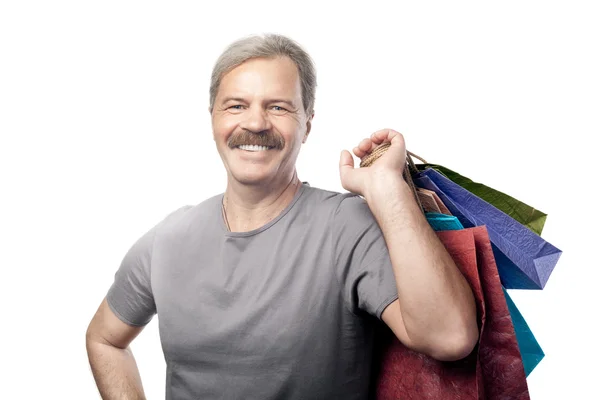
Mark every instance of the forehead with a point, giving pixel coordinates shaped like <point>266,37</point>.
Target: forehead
<point>263,77</point>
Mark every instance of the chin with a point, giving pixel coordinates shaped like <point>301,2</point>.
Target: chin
<point>251,177</point>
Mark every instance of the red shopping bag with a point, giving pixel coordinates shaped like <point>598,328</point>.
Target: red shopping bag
<point>494,370</point>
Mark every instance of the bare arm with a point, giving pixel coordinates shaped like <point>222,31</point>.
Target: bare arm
<point>435,312</point>
<point>112,362</point>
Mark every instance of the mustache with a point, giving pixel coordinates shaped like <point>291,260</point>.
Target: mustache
<point>265,138</point>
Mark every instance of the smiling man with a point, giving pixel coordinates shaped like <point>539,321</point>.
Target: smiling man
<point>272,289</point>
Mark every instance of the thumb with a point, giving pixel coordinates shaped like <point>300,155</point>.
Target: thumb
<point>346,160</point>
<point>349,176</point>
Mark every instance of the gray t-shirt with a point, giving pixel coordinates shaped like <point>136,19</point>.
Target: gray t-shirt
<point>286,311</point>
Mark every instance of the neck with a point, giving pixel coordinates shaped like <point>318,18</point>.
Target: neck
<point>250,207</point>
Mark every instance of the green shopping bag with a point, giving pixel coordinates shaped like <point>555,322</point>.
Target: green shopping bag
<point>523,213</point>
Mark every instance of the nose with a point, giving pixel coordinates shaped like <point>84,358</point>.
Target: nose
<point>256,120</point>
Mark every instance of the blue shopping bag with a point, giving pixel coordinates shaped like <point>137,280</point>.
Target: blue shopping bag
<point>524,259</point>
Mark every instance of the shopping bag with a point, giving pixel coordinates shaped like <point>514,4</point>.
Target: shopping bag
<point>529,216</point>
<point>442,222</point>
<point>524,259</point>
<point>427,201</point>
<point>431,202</point>
<point>530,349</point>
<point>493,370</point>
<point>531,352</point>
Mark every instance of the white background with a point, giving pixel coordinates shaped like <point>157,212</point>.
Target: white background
<point>105,130</point>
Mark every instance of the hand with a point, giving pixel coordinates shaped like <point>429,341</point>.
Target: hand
<point>386,169</point>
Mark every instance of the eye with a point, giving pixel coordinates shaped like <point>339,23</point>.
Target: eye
<point>236,107</point>
<point>279,109</point>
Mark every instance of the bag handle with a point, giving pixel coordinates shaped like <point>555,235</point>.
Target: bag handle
<point>410,165</point>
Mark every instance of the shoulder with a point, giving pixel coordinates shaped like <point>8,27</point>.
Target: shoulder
<point>322,204</point>
<point>174,219</point>
<point>331,200</point>
<point>341,209</point>
<point>352,205</point>
<point>353,217</point>
<point>186,217</point>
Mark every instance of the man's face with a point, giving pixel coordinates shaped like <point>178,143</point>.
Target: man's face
<point>260,103</point>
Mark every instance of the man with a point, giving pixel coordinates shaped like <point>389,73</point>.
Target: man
<point>272,289</point>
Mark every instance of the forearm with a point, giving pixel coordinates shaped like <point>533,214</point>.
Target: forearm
<point>115,371</point>
<point>436,302</point>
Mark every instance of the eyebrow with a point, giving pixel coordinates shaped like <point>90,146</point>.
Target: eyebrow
<point>242,100</point>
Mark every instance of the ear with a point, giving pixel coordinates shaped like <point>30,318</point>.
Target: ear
<point>211,122</point>
<point>308,127</point>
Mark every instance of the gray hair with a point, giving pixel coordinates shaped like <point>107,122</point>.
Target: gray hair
<point>267,46</point>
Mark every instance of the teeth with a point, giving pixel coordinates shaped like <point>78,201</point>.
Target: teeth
<point>253,147</point>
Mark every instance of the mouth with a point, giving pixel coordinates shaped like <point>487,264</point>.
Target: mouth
<point>254,148</point>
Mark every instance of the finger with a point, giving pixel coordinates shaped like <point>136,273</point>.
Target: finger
<point>365,145</point>
<point>363,148</point>
<point>397,139</point>
<point>380,136</point>
<point>387,135</point>
<point>368,145</point>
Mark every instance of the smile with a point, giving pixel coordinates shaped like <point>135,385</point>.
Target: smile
<point>248,147</point>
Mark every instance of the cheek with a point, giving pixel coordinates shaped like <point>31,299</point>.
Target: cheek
<point>287,126</point>
<point>224,126</point>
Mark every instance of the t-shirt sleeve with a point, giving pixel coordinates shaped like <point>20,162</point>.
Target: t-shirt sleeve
<point>130,295</point>
<point>361,258</point>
